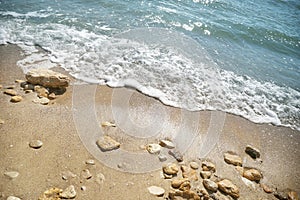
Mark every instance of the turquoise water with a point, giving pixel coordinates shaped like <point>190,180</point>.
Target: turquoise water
<point>253,47</point>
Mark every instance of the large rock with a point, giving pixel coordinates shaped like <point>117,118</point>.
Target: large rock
<point>229,188</point>
<point>233,159</point>
<point>47,78</point>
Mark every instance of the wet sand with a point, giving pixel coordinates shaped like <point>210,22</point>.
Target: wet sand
<point>66,145</point>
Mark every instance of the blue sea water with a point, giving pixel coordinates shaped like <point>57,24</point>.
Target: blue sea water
<point>242,57</point>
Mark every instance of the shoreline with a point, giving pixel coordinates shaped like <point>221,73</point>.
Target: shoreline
<point>63,150</point>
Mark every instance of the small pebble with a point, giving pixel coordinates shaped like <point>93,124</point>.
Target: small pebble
<point>1,121</point>
<point>1,86</point>
<point>194,165</point>
<point>107,143</point>
<point>167,144</point>
<point>153,148</point>
<point>155,190</point>
<point>252,151</point>
<point>83,188</point>
<point>12,174</point>
<point>162,157</point>
<point>19,81</point>
<point>36,144</point>
<point>108,124</point>
<point>205,174</point>
<point>10,92</point>
<point>13,198</point>
<point>208,166</point>
<point>51,96</point>
<point>90,162</point>
<point>69,192</point>
<point>233,159</point>
<point>177,155</point>
<point>266,188</point>
<point>210,185</point>
<point>86,174</point>
<point>16,99</point>
<point>68,175</point>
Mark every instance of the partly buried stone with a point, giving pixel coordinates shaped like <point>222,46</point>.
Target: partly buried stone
<point>68,175</point>
<point>36,144</point>
<point>252,151</point>
<point>86,174</point>
<point>155,190</point>
<point>153,148</point>
<point>170,169</point>
<point>10,92</point>
<point>106,143</point>
<point>233,159</point>
<point>69,193</point>
<point>12,174</point>
<point>47,78</point>
<point>16,99</point>
<point>100,178</point>
<point>229,188</point>
<point>210,185</point>
<point>43,101</point>
<point>177,155</point>
<point>167,144</point>
<point>208,166</point>
<point>1,121</point>
<point>252,175</point>
<point>51,194</point>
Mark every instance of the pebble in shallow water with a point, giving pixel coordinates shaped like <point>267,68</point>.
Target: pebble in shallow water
<point>153,148</point>
<point>36,144</point>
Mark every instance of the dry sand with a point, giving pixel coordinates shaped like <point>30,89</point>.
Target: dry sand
<point>64,150</point>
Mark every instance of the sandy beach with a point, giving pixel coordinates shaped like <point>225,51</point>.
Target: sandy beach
<point>66,149</point>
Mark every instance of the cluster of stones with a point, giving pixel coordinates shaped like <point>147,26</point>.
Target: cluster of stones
<point>70,191</point>
<point>255,175</point>
<point>185,182</point>
<point>46,83</point>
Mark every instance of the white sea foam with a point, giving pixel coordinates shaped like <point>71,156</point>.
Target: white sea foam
<point>38,14</point>
<point>159,63</point>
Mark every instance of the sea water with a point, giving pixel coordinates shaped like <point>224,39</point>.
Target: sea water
<point>242,57</point>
